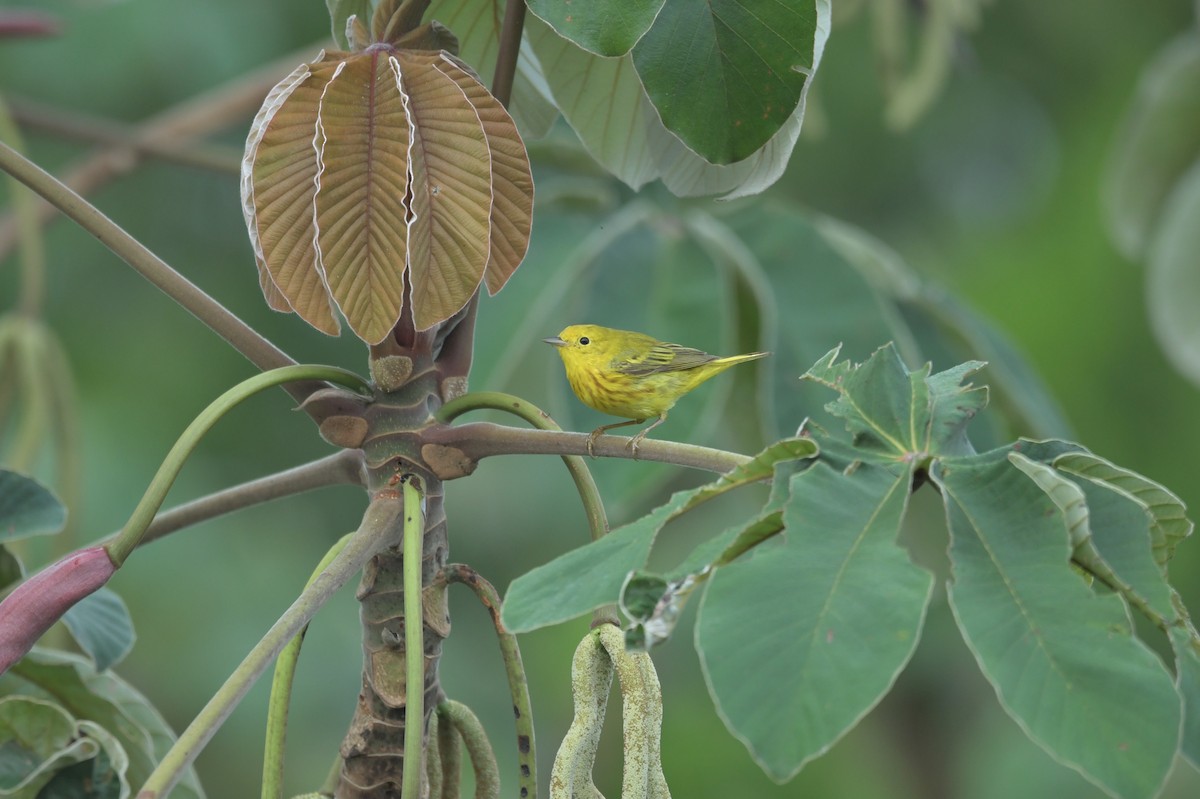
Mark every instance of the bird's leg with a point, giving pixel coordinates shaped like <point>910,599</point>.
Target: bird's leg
<point>633,442</point>
<point>591,440</point>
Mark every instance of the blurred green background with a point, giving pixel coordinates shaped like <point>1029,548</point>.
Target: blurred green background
<point>993,194</point>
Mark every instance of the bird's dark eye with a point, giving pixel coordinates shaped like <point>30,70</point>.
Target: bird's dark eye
<point>584,341</point>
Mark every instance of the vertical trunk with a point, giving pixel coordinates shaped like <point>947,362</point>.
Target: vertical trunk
<point>373,749</point>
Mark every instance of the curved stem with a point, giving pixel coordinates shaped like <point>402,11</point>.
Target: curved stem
<point>514,668</point>
<point>341,468</point>
<point>483,759</point>
<point>498,401</point>
<point>281,693</point>
<point>414,649</point>
<point>258,350</point>
<point>378,521</point>
<point>131,535</point>
<point>482,440</point>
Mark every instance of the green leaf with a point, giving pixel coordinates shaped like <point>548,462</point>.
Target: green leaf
<point>799,643</point>
<point>590,576</point>
<point>1173,282</point>
<point>603,27</point>
<point>726,75</point>
<point>1170,522</point>
<point>1063,660</point>
<point>1159,140</point>
<point>27,508</point>
<point>891,410</point>
<point>605,103</point>
<point>105,700</point>
<point>100,624</point>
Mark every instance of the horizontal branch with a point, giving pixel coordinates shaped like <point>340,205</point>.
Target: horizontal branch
<point>482,440</point>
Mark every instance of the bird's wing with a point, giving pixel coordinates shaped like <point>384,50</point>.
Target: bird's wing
<point>663,358</point>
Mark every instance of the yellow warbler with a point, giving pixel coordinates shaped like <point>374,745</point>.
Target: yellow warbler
<point>629,374</point>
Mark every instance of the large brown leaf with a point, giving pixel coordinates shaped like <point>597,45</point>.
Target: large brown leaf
<point>278,187</point>
<point>362,145</point>
<point>451,194</point>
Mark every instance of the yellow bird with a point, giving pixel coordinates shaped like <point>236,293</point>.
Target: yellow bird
<point>629,374</point>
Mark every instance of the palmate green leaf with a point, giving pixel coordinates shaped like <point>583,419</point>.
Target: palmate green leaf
<point>1173,282</point>
<point>900,413</point>
<point>590,576</point>
<point>799,642</point>
<point>726,75</point>
<point>101,625</point>
<point>106,701</point>
<point>603,27</point>
<point>1158,142</point>
<point>1063,660</point>
<point>27,508</point>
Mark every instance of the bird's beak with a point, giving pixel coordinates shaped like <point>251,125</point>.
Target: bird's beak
<point>556,341</point>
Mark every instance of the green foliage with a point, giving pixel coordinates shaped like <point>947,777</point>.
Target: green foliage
<point>80,728</point>
<point>803,635</point>
<point>591,576</point>
<point>605,28</point>
<point>798,642</point>
<point>100,624</point>
<point>1063,659</point>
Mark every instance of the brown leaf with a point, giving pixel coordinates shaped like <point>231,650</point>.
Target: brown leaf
<point>512,181</point>
<point>362,236</point>
<point>278,175</point>
<point>451,191</point>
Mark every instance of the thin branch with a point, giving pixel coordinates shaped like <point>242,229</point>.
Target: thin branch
<point>510,48</point>
<point>245,339</point>
<point>482,440</point>
<point>373,534</point>
<point>99,130</point>
<point>341,468</point>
